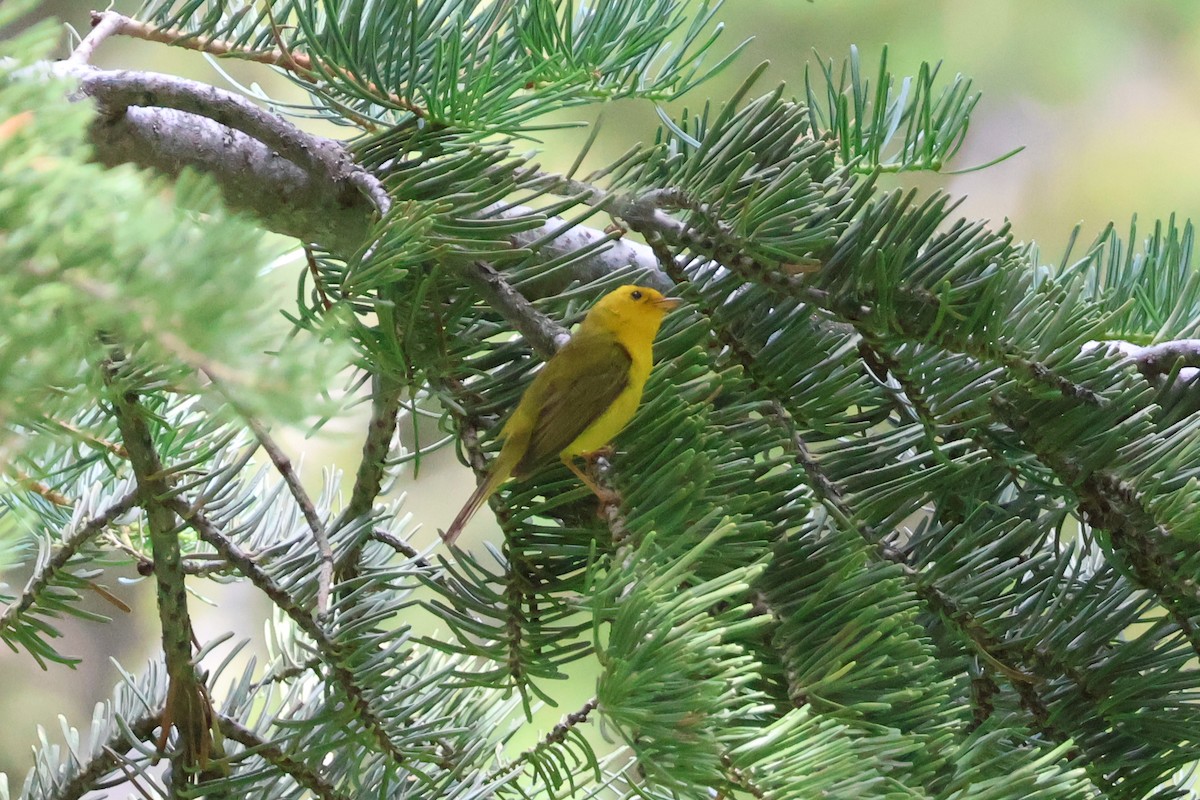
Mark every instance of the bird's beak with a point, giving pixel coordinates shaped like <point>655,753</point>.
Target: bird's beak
<point>667,303</point>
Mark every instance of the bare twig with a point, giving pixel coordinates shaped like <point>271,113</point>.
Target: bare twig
<point>103,26</point>
<point>25,481</point>
<point>645,213</point>
<point>287,673</point>
<point>1157,359</point>
<point>298,63</point>
<point>198,564</point>
<point>401,547</point>
<point>132,28</point>
<point>606,254</point>
<point>284,465</point>
<point>322,197</point>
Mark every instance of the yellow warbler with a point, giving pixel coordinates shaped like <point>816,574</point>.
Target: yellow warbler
<point>584,395</point>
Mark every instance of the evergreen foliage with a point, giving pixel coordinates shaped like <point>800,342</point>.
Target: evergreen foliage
<point>907,511</point>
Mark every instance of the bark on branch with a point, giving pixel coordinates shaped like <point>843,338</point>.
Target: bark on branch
<point>295,183</point>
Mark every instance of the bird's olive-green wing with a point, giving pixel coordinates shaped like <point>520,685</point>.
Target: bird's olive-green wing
<point>571,392</point>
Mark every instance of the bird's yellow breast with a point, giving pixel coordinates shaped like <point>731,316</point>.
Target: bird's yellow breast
<point>617,415</point>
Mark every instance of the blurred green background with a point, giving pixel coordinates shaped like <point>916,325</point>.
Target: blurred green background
<point>1105,99</point>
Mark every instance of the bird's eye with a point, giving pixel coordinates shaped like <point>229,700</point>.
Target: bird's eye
<point>635,294</point>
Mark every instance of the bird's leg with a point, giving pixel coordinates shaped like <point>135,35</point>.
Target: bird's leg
<point>607,496</point>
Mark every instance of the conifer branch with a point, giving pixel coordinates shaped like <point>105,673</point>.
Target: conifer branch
<point>1035,706</point>
<point>300,64</point>
<point>517,593</point>
<point>208,531</point>
<point>275,756</point>
<point>168,340</point>
<point>554,737</point>
<point>314,208</point>
<point>328,647</point>
<point>469,427</point>
<point>515,590</point>
<point>983,692</point>
<point>941,315</point>
<point>881,359</point>
<point>134,777</point>
<point>1109,503</point>
<point>1024,671</point>
<point>286,470</point>
<point>45,575</point>
<point>991,650</point>
<point>87,779</point>
<point>878,356</point>
<point>385,408</point>
<point>187,707</point>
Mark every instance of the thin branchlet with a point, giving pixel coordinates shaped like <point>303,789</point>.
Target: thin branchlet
<point>553,738</point>
<point>543,334</point>
<point>70,546</point>
<point>308,777</point>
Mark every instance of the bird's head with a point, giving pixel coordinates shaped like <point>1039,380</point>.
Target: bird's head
<point>631,311</point>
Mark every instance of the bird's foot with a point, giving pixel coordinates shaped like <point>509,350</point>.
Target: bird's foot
<point>607,497</point>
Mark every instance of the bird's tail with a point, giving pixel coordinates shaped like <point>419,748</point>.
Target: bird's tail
<point>482,492</point>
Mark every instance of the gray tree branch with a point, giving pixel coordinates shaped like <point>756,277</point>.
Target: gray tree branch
<point>295,183</point>
<point>307,186</point>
